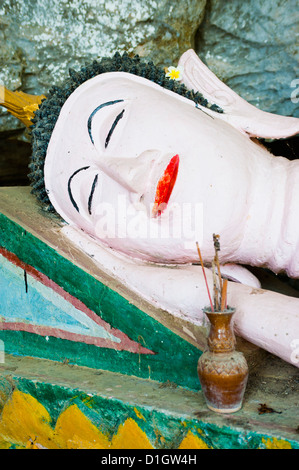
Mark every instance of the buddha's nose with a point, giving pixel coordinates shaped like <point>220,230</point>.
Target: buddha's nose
<point>134,174</point>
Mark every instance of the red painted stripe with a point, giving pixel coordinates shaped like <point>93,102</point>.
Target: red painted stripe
<point>126,343</point>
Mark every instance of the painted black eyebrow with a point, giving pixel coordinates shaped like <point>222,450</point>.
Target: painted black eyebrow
<point>108,103</point>
<point>93,187</point>
<point>118,117</point>
<point>69,186</point>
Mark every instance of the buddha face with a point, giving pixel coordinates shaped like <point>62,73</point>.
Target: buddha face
<point>122,143</point>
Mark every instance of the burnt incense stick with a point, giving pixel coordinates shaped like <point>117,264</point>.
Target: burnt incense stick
<point>224,295</point>
<point>217,248</point>
<point>204,273</point>
<point>216,301</point>
<point>219,302</point>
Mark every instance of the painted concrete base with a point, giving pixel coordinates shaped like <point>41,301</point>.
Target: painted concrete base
<point>85,364</point>
<point>46,404</point>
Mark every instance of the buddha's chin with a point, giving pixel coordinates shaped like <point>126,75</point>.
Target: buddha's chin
<point>163,251</point>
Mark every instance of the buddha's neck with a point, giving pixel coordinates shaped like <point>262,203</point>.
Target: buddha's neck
<point>271,236</point>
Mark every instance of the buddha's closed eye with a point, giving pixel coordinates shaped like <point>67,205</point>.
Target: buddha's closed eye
<point>91,193</point>
<point>93,187</point>
<point>114,124</point>
<point>69,187</point>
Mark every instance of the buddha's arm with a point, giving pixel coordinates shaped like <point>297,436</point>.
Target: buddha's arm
<point>267,319</point>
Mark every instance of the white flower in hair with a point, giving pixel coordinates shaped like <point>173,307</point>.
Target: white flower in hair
<point>175,73</point>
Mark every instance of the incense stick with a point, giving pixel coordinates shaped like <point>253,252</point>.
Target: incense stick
<point>216,302</point>
<point>203,270</point>
<point>217,248</point>
<point>224,295</point>
<point>219,285</point>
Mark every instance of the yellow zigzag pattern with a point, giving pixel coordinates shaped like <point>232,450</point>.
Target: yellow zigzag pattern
<point>25,423</point>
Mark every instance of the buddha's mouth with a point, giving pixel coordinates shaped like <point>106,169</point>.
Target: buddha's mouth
<point>165,186</point>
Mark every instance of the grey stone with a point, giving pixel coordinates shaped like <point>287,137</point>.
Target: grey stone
<point>41,40</point>
<point>253,47</point>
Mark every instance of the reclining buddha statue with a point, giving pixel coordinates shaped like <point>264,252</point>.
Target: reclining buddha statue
<point>142,164</point>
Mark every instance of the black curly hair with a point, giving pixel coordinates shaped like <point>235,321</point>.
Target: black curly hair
<point>46,116</point>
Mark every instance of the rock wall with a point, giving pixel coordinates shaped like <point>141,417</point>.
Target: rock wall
<point>41,39</point>
<point>253,46</point>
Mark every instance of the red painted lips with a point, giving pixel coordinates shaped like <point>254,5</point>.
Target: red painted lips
<point>165,186</point>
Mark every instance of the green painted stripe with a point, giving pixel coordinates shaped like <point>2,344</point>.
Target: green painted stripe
<point>160,368</point>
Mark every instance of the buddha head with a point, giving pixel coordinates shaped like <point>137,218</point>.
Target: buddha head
<point>138,162</point>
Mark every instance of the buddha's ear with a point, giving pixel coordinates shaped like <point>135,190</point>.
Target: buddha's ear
<point>198,77</point>
<point>238,112</point>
